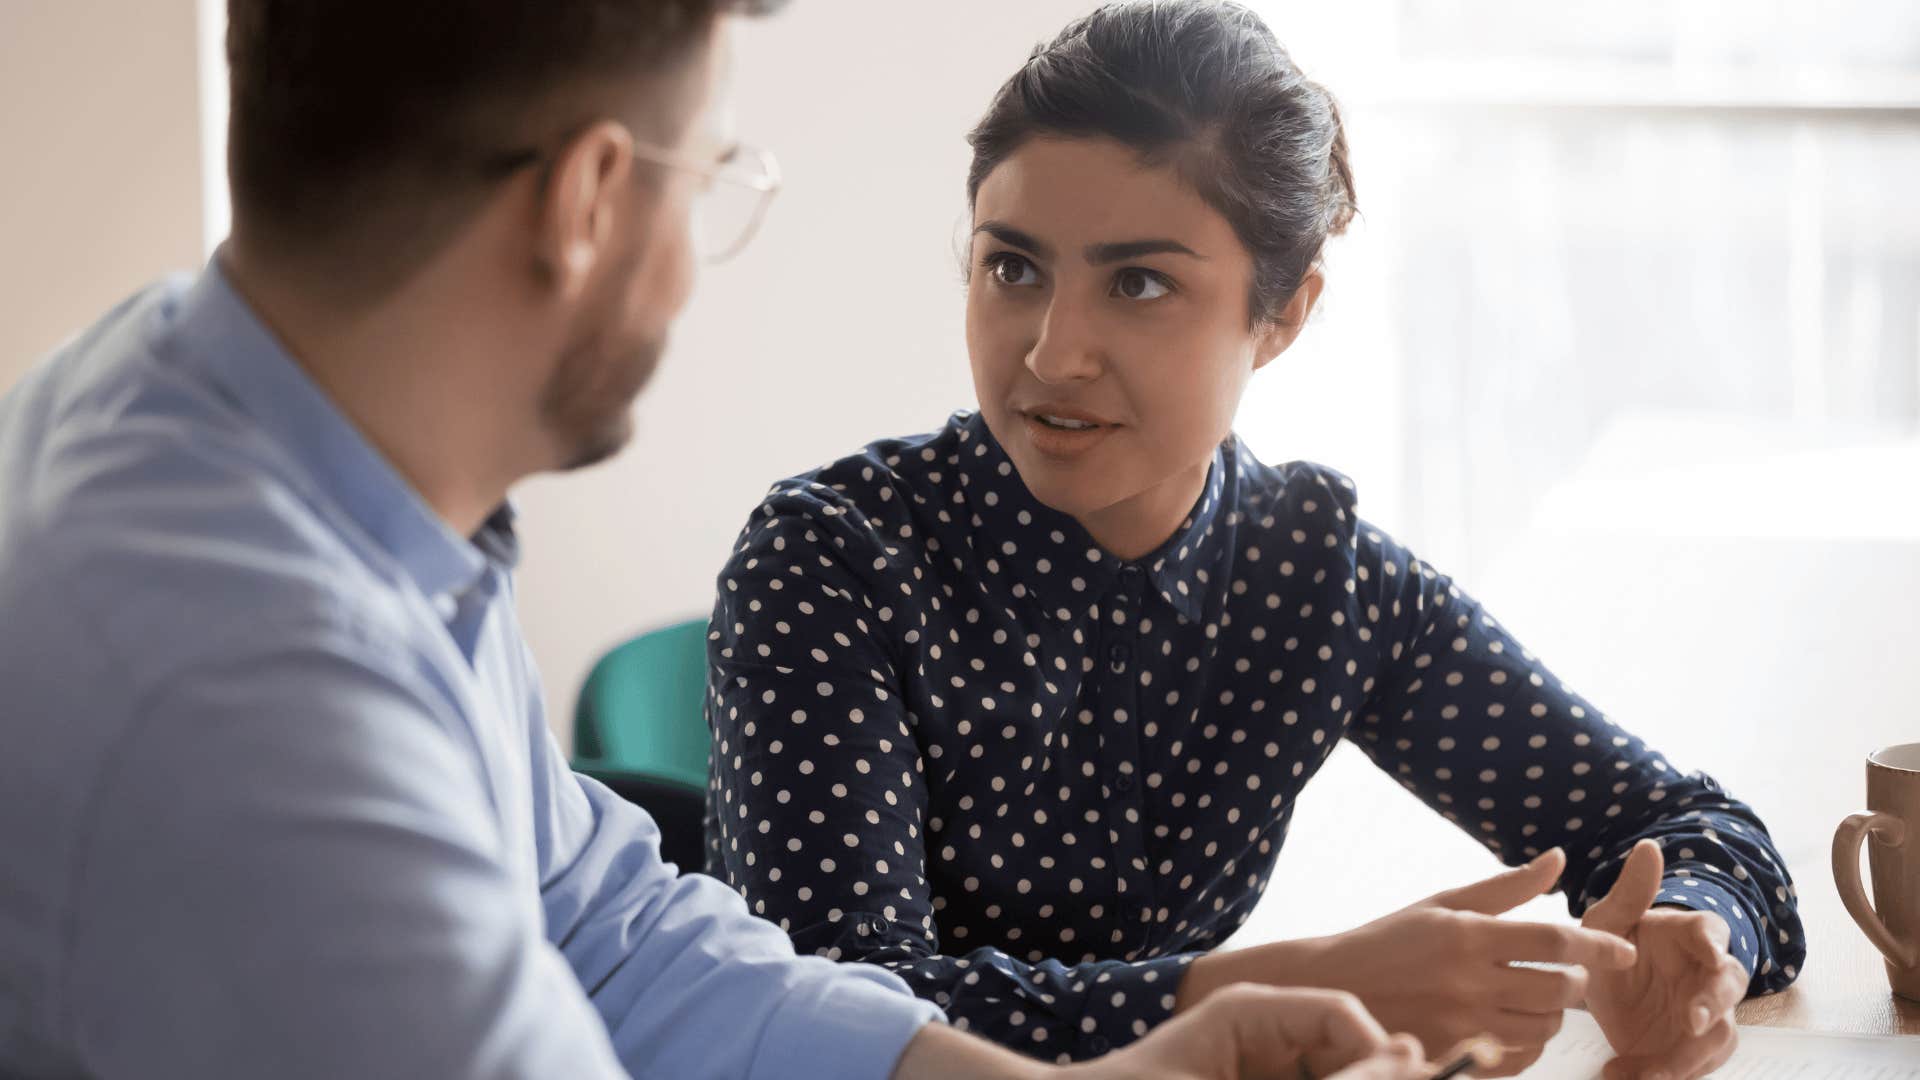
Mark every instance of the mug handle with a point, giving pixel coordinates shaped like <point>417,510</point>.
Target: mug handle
<point>1888,830</point>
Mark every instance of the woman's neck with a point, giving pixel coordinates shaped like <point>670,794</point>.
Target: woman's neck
<point>1138,525</point>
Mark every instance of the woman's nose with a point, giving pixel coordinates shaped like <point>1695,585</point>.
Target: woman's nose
<point>1069,347</point>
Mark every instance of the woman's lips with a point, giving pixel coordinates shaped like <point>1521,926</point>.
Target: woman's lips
<point>1064,433</point>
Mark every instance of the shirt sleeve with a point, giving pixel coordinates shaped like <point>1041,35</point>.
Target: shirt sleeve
<point>687,981</point>
<point>1480,730</point>
<point>294,871</point>
<point>296,868</point>
<point>819,802</point>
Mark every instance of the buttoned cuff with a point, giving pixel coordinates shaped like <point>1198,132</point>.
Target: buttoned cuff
<point>1127,1000</point>
<point>1699,893</point>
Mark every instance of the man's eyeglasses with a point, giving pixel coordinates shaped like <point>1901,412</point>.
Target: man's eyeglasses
<point>735,191</point>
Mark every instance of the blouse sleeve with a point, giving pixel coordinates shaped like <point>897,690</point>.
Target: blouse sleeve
<point>818,807</point>
<point>1481,731</point>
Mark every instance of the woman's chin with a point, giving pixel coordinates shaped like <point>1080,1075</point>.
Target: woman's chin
<point>1072,488</point>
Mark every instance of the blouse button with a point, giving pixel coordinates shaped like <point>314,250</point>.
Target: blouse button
<point>1123,783</point>
<point>876,926</point>
<point>1117,657</point>
<point>1098,1045</point>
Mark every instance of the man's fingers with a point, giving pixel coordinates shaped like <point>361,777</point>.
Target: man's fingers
<point>1506,891</point>
<point>1537,990</point>
<point>1632,894</point>
<point>1272,1026</point>
<point>1400,1059</point>
<point>1512,1062</point>
<point>1551,944</point>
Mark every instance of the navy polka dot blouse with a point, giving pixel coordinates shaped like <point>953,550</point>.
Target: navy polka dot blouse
<point>953,737</point>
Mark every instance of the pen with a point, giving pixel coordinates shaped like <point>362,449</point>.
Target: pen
<point>1460,1064</point>
<point>1481,1052</point>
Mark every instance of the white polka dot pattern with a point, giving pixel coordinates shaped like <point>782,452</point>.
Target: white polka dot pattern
<point>954,737</point>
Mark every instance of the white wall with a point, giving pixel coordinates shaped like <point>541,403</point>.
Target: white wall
<point>99,135</point>
<point>841,324</point>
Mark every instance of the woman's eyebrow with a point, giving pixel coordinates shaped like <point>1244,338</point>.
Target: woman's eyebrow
<point>1095,254</point>
<point>1013,237</point>
<point>1101,254</point>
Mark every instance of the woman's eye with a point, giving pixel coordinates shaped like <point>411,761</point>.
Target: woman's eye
<point>1011,269</point>
<point>1134,283</point>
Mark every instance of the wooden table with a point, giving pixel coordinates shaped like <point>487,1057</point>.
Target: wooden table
<point>1844,987</point>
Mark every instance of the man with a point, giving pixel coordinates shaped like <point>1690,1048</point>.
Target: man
<point>278,797</point>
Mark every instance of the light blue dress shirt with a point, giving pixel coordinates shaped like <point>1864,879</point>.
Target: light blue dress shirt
<point>277,794</point>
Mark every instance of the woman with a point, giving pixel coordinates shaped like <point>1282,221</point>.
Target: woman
<point>1020,709</point>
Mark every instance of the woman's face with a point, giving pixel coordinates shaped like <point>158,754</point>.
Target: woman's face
<point>1108,325</point>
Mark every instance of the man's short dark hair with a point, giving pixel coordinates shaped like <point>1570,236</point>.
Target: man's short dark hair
<point>348,109</point>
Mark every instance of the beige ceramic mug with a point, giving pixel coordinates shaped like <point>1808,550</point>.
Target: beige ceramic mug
<point>1892,920</point>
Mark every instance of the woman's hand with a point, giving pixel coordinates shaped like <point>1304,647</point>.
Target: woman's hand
<point>1669,1016</point>
<point>1442,970</point>
<point>1248,1031</point>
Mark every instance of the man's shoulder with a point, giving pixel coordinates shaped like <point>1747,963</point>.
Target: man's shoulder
<point>140,507</point>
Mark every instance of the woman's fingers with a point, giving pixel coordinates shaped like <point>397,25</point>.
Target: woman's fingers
<point>1539,990</point>
<point>1548,943</point>
<point>1689,1060</point>
<point>1632,894</point>
<point>1522,1031</point>
<point>1706,938</point>
<point>1507,890</point>
<point>1628,1068</point>
<point>1724,990</point>
<point>1701,1055</point>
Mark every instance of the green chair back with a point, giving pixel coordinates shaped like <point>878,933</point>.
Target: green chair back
<point>642,711</point>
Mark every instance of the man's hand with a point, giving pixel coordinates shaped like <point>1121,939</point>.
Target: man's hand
<point>1240,1033</point>
<point>1442,970</point>
<point>1669,1016</point>
<point>1260,1031</point>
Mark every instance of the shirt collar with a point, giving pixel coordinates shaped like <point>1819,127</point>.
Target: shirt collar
<point>1185,569</point>
<point>217,333</point>
<point>1182,570</point>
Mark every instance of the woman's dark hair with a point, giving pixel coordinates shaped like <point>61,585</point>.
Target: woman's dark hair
<point>1202,85</point>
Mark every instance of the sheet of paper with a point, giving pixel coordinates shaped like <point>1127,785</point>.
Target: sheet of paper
<point>1580,1051</point>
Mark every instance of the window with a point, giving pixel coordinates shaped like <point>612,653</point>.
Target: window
<point>1682,225</point>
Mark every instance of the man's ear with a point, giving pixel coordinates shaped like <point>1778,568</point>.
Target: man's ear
<point>1279,332</point>
<point>577,209</point>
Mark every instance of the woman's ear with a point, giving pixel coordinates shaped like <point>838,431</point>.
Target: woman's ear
<point>1279,332</point>
<point>577,210</point>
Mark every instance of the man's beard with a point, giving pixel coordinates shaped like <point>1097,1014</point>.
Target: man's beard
<point>588,402</point>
